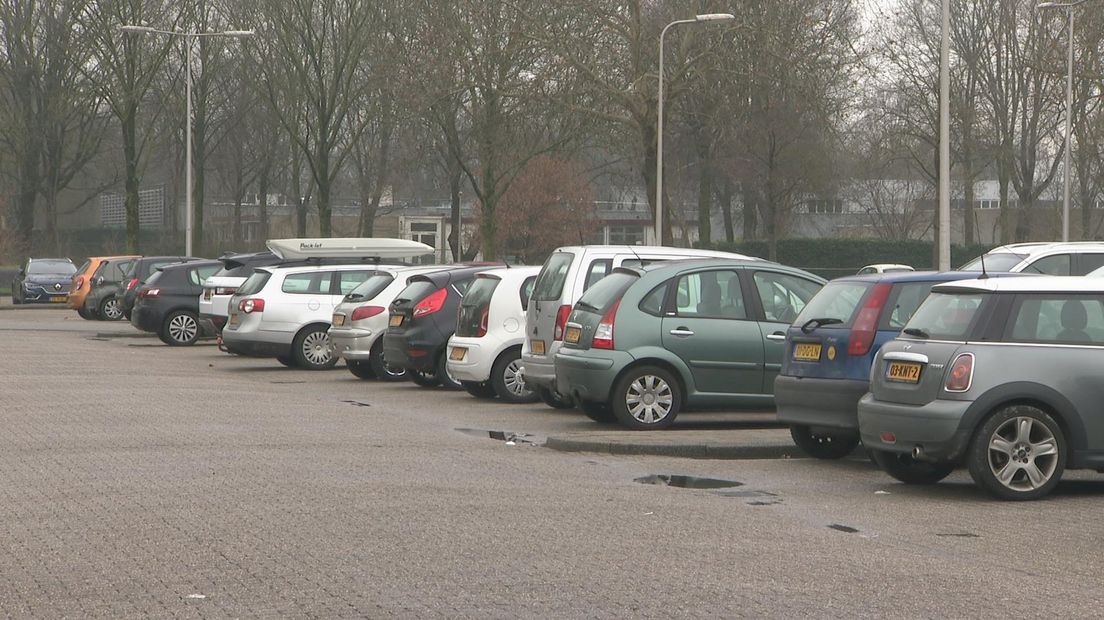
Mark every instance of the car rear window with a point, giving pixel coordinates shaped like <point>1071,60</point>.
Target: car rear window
<point>254,283</point>
<point>607,291</point>
<point>477,299</point>
<point>237,271</point>
<point>416,290</point>
<point>903,301</point>
<point>837,300</point>
<point>553,275</point>
<point>1001,261</point>
<point>373,286</point>
<point>944,316</point>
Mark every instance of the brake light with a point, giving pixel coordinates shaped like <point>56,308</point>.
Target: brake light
<point>561,322</point>
<point>603,334</point>
<point>431,304</point>
<point>250,306</point>
<point>78,283</point>
<point>483,318</point>
<point>364,312</point>
<point>133,283</point>
<point>149,292</point>
<point>866,324</point>
<point>961,374</point>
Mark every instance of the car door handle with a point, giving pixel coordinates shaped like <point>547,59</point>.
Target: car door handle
<point>681,331</point>
<point>776,336</point>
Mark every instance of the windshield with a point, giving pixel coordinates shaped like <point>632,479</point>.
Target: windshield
<point>606,291</point>
<point>254,283</point>
<point>51,267</point>
<point>550,282</point>
<point>944,316</point>
<point>837,301</point>
<point>373,286</point>
<point>1001,261</point>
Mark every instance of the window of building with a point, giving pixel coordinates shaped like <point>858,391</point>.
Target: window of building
<point>626,235</point>
<point>833,205</point>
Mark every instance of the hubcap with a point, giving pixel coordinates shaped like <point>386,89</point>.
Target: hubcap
<point>514,380</point>
<point>649,399</point>
<point>183,328</point>
<point>1023,454</point>
<point>111,309</point>
<point>316,348</point>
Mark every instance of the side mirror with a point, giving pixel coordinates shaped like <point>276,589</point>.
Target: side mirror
<point>99,281</point>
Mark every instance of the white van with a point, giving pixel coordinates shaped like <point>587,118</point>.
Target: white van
<point>565,275</point>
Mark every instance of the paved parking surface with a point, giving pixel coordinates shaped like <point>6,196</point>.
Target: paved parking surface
<point>142,480</point>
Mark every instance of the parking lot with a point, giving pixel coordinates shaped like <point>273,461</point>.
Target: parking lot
<point>144,480</point>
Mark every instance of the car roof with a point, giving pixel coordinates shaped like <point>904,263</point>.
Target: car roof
<point>1032,284</point>
<point>719,263</point>
<point>189,264</point>
<point>657,250</point>
<point>1037,247</point>
<point>452,273</point>
<point>919,276</point>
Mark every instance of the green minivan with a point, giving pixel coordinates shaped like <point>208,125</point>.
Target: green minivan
<point>644,343</point>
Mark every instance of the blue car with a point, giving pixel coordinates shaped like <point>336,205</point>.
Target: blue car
<point>830,348</point>
<point>43,280</point>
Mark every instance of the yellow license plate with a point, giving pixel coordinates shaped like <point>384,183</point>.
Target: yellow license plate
<point>457,354</point>
<point>537,347</point>
<point>905,372</point>
<point>807,351</point>
<point>57,298</point>
<point>396,320</point>
<point>235,319</point>
<point>207,294</point>
<point>338,320</point>
<point>573,335</point>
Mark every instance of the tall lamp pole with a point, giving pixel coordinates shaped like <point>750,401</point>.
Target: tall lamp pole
<point>1066,176</point>
<point>944,240</point>
<point>187,36</point>
<point>705,17</point>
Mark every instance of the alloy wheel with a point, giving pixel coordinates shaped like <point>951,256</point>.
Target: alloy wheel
<point>111,310</point>
<point>1023,454</point>
<point>183,328</point>
<point>514,380</point>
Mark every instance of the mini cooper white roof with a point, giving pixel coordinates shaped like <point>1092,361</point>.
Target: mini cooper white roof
<point>347,247</point>
<point>1025,284</point>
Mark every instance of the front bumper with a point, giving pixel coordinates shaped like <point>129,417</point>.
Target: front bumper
<point>819,403</point>
<point>935,427</point>
<point>353,344</point>
<point>36,294</point>
<point>585,376</point>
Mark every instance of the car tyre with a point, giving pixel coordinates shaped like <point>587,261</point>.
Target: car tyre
<point>383,370</point>
<point>286,361</point>
<point>360,370</point>
<point>423,379</point>
<point>506,380</point>
<point>109,309</point>
<point>312,350</point>
<point>447,381</point>
<point>180,329</point>
<point>84,314</point>
<point>646,397</point>
<point>553,399</point>
<point>1018,454</point>
<point>831,445</point>
<point>479,390</point>
<point>903,467</point>
<point>599,412</point>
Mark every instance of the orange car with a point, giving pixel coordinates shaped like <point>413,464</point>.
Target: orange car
<point>82,283</point>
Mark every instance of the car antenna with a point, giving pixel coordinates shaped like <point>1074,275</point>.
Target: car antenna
<point>984,275</point>
<point>638,259</point>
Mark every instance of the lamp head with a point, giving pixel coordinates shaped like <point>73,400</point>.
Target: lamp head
<point>132,28</point>
<point>239,33</point>
<point>714,17</point>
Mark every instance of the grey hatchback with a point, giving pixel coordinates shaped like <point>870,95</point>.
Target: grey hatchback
<point>1003,375</point>
<point>645,342</point>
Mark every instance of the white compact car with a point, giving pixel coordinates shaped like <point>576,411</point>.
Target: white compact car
<point>285,312</point>
<point>884,268</point>
<point>360,320</point>
<point>485,352</point>
<point>1073,258</point>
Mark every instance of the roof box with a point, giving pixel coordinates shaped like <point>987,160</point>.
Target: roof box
<point>347,247</point>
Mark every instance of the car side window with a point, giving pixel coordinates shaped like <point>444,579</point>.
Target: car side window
<point>784,296</point>
<point>1061,319</point>
<point>599,268</point>
<point>307,283</point>
<point>199,274</point>
<point>348,280</point>
<point>1089,263</point>
<point>653,301</point>
<point>1057,265</point>
<point>709,295</point>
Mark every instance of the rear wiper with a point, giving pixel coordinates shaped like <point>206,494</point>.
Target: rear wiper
<point>585,306</point>
<point>812,324</point>
<point>916,331</point>
<point>352,296</point>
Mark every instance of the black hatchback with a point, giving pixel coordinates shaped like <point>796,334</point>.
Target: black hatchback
<point>137,275</point>
<point>423,318</point>
<point>168,304</point>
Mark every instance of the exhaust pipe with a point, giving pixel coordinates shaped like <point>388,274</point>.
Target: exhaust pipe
<point>917,453</point>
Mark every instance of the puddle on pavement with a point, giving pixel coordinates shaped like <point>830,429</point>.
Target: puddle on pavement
<point>509,437</point>
<point>958,534</point>
<point>687,482</point>
<point>357,403</point>
<point>843,528</point>
<point>286,382</point>
<point>98,339</point>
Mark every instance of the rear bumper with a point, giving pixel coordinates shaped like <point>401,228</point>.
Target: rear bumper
<point>353,344</point>
<point>539,371</point>
<point>815,402</point>
<point>146,319</point>
<point>476,364</point>
<point>935,427</point>
<point>588,377</point>
<point>410,353</point>
<point>256,349</point>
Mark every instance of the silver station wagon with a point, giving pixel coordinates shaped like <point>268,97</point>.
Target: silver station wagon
<point>1003,375</point>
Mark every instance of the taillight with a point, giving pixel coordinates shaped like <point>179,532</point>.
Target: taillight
<point>866,324</point>
<point>364,312</point>
<point>603,334</point>
<point>431,304</point>
<point>79,282</point>
<point>483,318</point>
<point>250,306</point>
<point>561,322</point>
<point>961,374</point>
<point>133,283</point>
<point>149,292</point>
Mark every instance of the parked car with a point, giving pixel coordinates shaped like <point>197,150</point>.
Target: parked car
<point>883,268</point>
<point>830,348</point>
<point>168,303</point>
<point>81,284</point>
<point>565,276</point>
<point>102,301</point>
<point>137,275</point>
<point>1075,258</point>
<point>43,281</point>
<point>423,318</point>
<point>485,352</point>
<point>360,321</point>
<point>1002,375</point>
<point>644,343</point>
<point>214,301</point>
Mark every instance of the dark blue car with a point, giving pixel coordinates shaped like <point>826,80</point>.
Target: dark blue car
<point>831,346</point>
<point>43,280</point>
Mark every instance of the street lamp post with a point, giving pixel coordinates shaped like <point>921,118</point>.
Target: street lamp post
<point>705,17</point>
<point>1066,176</point>
<point>189,204</point>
